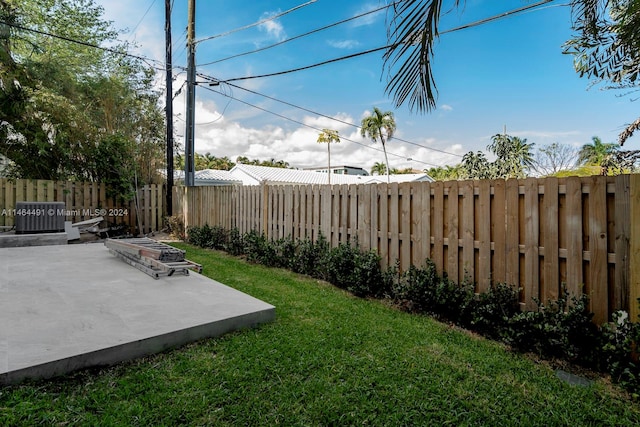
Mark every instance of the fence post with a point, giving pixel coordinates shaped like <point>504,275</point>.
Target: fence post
<point>634,246</point>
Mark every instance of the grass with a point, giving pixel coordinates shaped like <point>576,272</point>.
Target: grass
<point>328,359</point>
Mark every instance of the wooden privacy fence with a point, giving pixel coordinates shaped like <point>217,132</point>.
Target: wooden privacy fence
<point>85,200</point>
<point>536,234</point>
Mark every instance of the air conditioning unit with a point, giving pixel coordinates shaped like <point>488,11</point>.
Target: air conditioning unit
<point>39,217</point>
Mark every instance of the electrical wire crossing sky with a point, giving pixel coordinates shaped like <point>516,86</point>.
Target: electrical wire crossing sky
<point>497,65</point>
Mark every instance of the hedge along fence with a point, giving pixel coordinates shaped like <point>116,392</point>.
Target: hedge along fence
<point>536,234</point>
<point>85,200</point>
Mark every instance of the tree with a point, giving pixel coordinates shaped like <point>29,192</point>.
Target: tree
<point>69,105</point>
<point>379,126</point>
<point>447,172</point>
<point>379,168</point>
<point>513,159</point>
<point>607,46</point>
<point>476,166</point>
<point>596,153</point>
<point>514,155</point>
<point>270,163</point>
<point>328,136</point>
<point>553,158</point>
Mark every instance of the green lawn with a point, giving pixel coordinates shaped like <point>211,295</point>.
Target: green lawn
<point>328,359</point>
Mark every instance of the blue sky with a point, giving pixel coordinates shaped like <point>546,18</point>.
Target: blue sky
<point>510,72</point>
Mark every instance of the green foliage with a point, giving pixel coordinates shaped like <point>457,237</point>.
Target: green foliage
<point>355,270</point>
<point>558,329</point>
<point>215,237</point>
<point>494,310</point>
<point>514,157</point>
<point>73,112</point>
<point>235,244</point>
<point>379,126</point>
<point>312,258</point>
<point>446,173</point>
<point>619,351</point>
<point>273,163</point>
<point>209,161</point>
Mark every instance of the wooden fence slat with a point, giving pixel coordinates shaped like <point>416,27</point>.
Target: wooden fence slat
<point>352,227</point>
<point>383,224</point>
<point>375,237</point>
<point>340,196</point>
<point>512,253</point>
<point>484,236</point>
<point>394,224</point>
<point>438,227</point>
<point>404,225</point>
<point>364,216</point>
<point>599,295</point>
<point>417,231</point>
<point>550,232</point>
<point>468,230</point>
<point>623,231</point>
<point>452,219</point>
<point>573,229</point>
<point>531,242</point>
<point>498,227</point>
<point>634,247</point>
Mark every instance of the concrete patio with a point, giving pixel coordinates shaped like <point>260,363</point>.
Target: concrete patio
<point>64,308</point>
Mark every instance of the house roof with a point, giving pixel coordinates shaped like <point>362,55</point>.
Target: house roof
<point>255,175</point>
<point>217,175</point>
<point>265,174</point>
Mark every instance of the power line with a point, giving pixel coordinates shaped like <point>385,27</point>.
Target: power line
<point>313,127</point>
<point>354,55</point>
<point>133,32</point>
<point>87,44</point>
<point>324,115</point>
<point>262,21</point>
<point>299,36</point>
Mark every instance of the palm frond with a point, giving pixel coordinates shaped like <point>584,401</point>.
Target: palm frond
<point>412,32</point>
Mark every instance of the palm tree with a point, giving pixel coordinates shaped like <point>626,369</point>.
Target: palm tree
<point>596,153</point>
<point>514,155</point>
<point>413,29</point>
<point>328,136</point>
<point>379,126</point>
<point>379,168</point>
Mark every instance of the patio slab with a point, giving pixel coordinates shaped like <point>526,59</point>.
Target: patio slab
<point>64,308</point>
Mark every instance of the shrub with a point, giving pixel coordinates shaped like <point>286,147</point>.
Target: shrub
<point>557,329</point>
<point>312,258</point>
<point>494,310</point>
<point>235,243</point>
<point>619,351</point>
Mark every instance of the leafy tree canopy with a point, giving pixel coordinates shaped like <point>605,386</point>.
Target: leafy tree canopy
<point>65,106</point>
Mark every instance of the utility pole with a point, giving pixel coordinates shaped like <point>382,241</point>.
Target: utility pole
<point>169,106</point>
<point>189,161</point>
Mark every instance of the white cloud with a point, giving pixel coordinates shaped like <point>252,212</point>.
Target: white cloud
<point>343,44</point>
<point>369,19</point>
<point>273,27</point>
<point>446,107</point>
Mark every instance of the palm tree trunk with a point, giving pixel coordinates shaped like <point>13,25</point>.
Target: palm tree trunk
<point>386,159</point>
<point>329,161</point>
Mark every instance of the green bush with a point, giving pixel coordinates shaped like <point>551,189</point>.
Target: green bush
<point>619,351</point>
<point>312,258</point>
<point>494,310</point>
<point>235,243</point>
<point>558,329</point>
